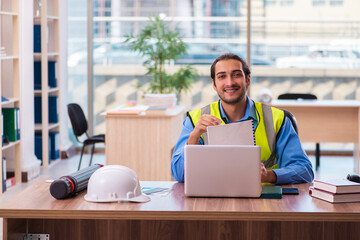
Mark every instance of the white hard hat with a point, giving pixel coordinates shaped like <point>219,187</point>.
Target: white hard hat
<point>114,183</point>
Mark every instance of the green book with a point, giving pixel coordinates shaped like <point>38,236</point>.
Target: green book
<point>272,192</point>
<point>11,123</point>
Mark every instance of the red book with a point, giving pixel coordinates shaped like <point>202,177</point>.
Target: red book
<point>337,186</point>
<point>10,182</point>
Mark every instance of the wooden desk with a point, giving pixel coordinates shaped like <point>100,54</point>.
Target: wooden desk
<point>175,216</point>
<point>326,121</point>
<point>144,143</point>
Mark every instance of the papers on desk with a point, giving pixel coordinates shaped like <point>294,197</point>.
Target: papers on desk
<point>157,191</point>
<point>160,100</point>
<point>239,133</point>
<point>156,111</point>
<point>125,110</point>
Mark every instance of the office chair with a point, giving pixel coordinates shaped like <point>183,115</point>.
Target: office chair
<point>79,125</point>
<point>295,96</point>
<point>292,119</point>
<point>307,96</point>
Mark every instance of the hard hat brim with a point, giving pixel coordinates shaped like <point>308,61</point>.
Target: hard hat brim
<point>140,198</point>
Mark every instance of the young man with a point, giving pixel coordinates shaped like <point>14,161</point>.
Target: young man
<point>283,159</point>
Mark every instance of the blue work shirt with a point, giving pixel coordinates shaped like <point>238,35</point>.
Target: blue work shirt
<point>294,164</point>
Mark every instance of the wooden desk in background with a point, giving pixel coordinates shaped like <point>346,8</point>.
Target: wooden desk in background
<point>326,121</point>
<point>144,143</point>
<point>174,216</point>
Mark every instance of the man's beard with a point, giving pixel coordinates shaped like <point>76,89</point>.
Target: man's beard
<point>233,101</point>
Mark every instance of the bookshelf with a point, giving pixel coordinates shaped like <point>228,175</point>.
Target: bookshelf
<point>9,85</point>
<point>46,55</point>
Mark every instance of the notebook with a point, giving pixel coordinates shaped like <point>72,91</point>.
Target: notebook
<point>222,171</point>
<point>239,133</point>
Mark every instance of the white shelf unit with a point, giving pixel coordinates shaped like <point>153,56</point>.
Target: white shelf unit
<point>10,80</point>
<point>46,14</point>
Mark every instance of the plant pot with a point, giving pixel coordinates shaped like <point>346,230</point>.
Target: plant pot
<point>160,100</point>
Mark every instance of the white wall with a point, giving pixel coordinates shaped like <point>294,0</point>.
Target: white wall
<point>63,28</point>
<point>29,162</point>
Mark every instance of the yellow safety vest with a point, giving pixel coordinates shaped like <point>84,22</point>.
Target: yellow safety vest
<point>270,122</point>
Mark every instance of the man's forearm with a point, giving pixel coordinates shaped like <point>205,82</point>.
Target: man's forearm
<point>269,177</point>
<point>193,138</point>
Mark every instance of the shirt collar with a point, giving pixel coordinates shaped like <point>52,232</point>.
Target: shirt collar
<point>250,112</point>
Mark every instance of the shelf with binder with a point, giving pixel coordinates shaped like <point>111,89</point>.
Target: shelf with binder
<point>53,146</point>
<point>10,145</point>
<point>49,18</point>
<point>10,88</point>
<point>37,55</point>
<point>45,45</point>
<point>3,13</point>
<point>52,54</point>
<point>51,77</point>
<point>46,76</point>
<point>52,18</point>
<point>52,110</point>
<point>8,57</point>
<point>11,123</point>
<point>50,90</point>
<point>51,126</point>
<point>9,101</point>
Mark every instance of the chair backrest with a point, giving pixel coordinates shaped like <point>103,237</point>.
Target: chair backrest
<point>77,118</point>
<point>292,118</point>
<point>297,96</point>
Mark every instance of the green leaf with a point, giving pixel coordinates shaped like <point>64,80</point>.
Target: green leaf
<point>159,43</point>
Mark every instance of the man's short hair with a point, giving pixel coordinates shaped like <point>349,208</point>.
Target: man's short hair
<point>228,56</point>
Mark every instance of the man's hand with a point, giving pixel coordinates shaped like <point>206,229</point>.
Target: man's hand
<point>267,176</point>
<point>201,127</point>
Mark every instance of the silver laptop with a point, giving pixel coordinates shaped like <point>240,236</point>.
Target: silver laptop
<point>222,171</point>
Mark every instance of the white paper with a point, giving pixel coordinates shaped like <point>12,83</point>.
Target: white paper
<point>239,133</point>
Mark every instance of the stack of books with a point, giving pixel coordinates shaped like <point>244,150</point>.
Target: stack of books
<point>160,100</point>
<point>336,190</point>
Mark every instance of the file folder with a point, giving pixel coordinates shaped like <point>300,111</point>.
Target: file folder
<point>54,145</point>
<point>38,147</point>
<point>11,118</point>
<point>37,38</point>
<point>52,105</point>
<point>3,168</point>
<point>51,75</point>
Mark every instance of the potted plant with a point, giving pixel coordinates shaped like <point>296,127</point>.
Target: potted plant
<point>161,44</point>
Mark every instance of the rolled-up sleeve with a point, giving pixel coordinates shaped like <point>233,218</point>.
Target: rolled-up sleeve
<point>294,164</point>
<point>177,160</point>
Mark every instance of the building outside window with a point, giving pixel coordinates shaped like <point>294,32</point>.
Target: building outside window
<point>286,2</point>
<point>284,40</point>
<point>336,2</point>
<point>318,2</point>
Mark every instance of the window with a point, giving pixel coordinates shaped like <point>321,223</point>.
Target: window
<point>282,37</point>
<point>336,2</point>
<point>287,2</point>
<point>318,2</point>
<point>268,3</point>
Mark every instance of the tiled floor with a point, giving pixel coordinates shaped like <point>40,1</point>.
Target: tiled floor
<point>330,167</point>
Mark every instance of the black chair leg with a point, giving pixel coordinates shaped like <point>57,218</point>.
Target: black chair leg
<point>92,152</point>
<point>317,156</point>
<point>82,152</point>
